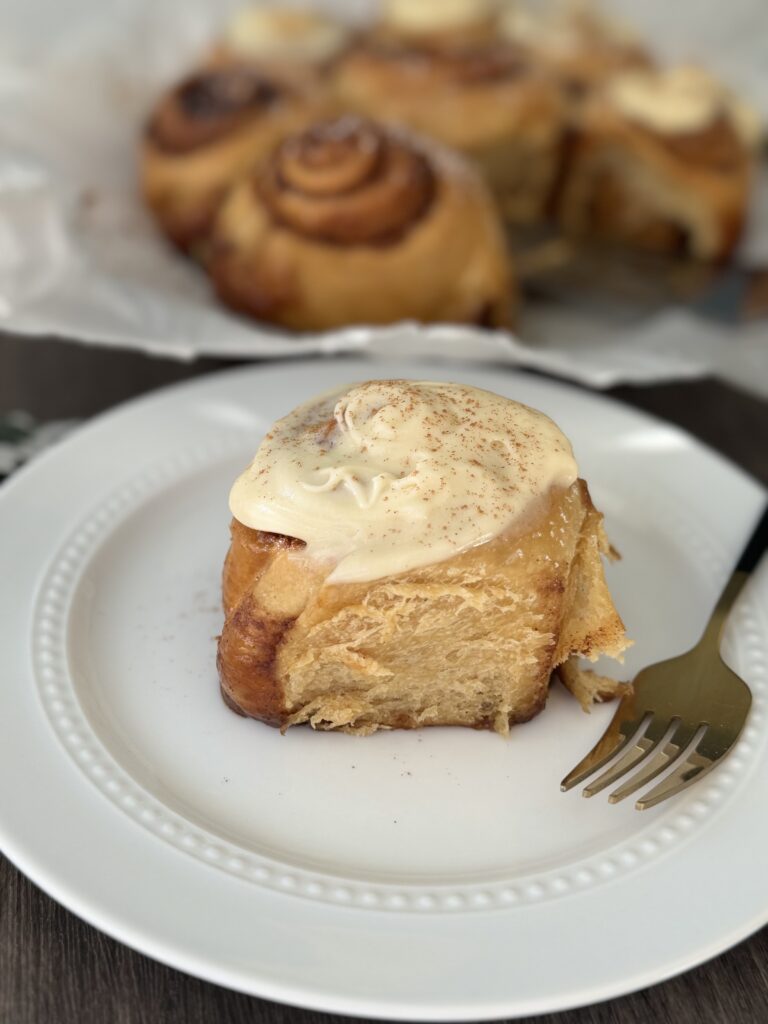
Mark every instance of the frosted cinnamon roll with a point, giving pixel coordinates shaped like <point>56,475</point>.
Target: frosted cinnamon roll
<point>208,130</point>
<point>663,160</point>
<point>445,70</point>
<point>410,553</point>
<point>292,41</point>
<point>349,222</point>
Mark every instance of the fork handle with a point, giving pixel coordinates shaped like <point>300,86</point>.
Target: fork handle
<point>723,607</point>
<point>750,556</point>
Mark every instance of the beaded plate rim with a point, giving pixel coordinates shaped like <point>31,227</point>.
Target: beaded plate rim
<point>58,694</point>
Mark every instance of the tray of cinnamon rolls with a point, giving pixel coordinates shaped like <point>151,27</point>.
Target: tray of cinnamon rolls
<point>530,182</point>
<point>441,162</point>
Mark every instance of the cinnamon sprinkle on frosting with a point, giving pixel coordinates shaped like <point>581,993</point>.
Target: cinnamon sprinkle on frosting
<point>391,475</point>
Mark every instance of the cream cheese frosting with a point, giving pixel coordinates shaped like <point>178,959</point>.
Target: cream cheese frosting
<point>678,100</point>
<point>564,30</point>
<point>391,475</point>
<point>435,15</point>
<point>534,28</point>
<point>284,33</point>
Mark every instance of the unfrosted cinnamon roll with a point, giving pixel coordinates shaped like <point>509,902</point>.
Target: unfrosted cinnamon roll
<point>445,70</point>
<point>662,160</point>
<point>349,222</point>
<point>207,131</point>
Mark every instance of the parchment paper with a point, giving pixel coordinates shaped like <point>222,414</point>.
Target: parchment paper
<point>79,257</point>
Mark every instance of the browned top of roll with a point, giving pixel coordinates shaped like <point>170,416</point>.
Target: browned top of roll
<point>717,145</point>
<point>459,62</point>
<point>348,182</point>
<point>211,104</point>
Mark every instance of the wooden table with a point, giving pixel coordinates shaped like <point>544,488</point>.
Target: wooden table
<point>56,970</point>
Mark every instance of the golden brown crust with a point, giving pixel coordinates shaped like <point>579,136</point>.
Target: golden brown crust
<point>353,222</point>
<point>453,58</point>
<point>347,186</point>
<point>247,648</point>
<point>588,687</point>
<point>246,662</point>
<point>683,194</point>
<point>205,132</point>
<point>717,145</point>
<point>470,641</point>
<point>247,558</point>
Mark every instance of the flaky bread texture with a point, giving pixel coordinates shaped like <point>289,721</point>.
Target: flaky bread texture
<point>469,641</point>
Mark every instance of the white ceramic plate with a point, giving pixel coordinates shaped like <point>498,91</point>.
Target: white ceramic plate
<point>423,875</point>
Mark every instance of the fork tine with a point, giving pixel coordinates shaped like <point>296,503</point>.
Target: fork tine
<point>613,740</point>
<point>665,755</point>
<point>694,766</point>
<point>646,741</point>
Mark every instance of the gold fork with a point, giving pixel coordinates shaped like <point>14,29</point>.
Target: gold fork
<point>692,703</point>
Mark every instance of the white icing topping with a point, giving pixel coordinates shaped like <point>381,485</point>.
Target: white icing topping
<point>391,475</point>
<point>434,15</point>
<point>284,34</point>
<point>533,28</point>
<point>679,99</point>
<point>564,29</point>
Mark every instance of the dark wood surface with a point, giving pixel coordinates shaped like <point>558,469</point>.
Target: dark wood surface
<point>54,969</point>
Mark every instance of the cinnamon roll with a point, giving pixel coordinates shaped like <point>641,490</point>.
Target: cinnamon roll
<point>576,43</point>
<point>410,553</point>
<point>208,130</point>
<point>350,222</point>
<point>294,42</point>
<point>663,161</point>
<point>445,70</point>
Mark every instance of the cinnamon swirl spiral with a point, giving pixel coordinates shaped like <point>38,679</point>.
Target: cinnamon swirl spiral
<point>205,132</point>
<point>350,222</point>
